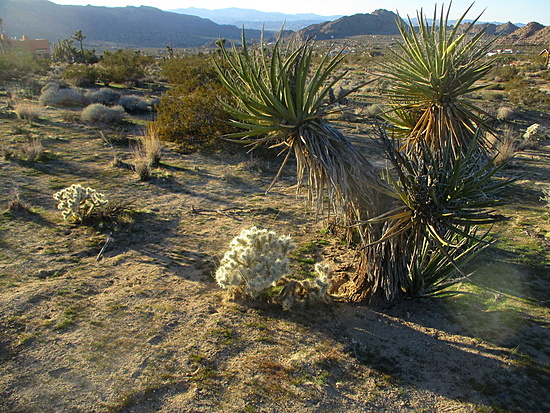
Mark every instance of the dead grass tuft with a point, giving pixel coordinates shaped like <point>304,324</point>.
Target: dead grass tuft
<point>32,149</point>
<point>27,110</point>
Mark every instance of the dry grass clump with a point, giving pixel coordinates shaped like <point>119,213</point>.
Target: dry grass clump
<point>99,113</point>
<point>104,95</point>
<point>374,110</point>
<point>27,110</point>
<point>32,150</point>
<point>505,113</point>
<point>7,152</point>
<point>505,148</point>
<point>150,144</point>
<point>55,95</point>
<point>15,204</point>
<point>142,166</point>
<point>147,153</point>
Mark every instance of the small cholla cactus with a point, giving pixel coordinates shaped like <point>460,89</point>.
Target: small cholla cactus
<point>297,292</point>
<point>77,202</point>
<point>256,259</point>
<point>534,133</point>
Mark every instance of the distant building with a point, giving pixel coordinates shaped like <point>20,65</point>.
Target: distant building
<point>39,47</point>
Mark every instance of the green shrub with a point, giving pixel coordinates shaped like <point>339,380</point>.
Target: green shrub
<point>99,113</point>
<point>16,64</point>
<point>190,112</point>
<point>123,65</point>
<point>54,95</point>
<point>80,75</point>
<point>522,93</point>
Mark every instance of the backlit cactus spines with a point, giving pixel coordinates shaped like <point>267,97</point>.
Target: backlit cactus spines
<point>76,202</point>
<point>256,259</point>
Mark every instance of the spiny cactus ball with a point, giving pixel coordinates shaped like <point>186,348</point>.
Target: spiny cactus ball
<point>77,202</point>
<point>256,259</point>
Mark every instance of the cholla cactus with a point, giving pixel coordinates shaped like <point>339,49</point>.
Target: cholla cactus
<point>296,293</point>
<point>77,202</point>
<point>256,259</point>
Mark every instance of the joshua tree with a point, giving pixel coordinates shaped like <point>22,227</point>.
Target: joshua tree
<point>79,37</point>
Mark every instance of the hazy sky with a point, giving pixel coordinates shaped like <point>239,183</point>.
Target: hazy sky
<point>517,11</point>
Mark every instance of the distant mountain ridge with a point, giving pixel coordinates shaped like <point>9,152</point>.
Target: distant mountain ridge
<point>379,22</point>
<point>123,26</point>
<point>254,19</point>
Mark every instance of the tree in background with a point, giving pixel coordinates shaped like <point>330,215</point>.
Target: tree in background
<point>79,37</point>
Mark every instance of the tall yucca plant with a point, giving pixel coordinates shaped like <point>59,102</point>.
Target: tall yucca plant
<point>429,76</point>
<point>282,95</point>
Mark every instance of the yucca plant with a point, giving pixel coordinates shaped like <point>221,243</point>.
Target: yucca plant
<point>429,76</point>
<point>283,102</point>
<point>445,198</point>
<point>282,97</point>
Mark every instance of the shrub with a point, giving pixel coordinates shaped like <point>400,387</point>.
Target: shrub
<point>151,145</point>
<point>54,95</point>
<point>123,65</point>
<point>27,110</point>
<point>505,113</point>
<point>190,112</point>
<point>104,96</point>
<point>99,113</point>
<point>80,75</point>
<point>142,165</point>
<point>521,93</point>
<point>134,104</point>
<point>256,259</point>
<point>16,64</point>
<point>506,147</point>
<point>77,202</point>
<point>194,118</point>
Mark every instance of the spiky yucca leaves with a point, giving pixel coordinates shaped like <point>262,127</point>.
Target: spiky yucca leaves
<point>282,97</point>
<point>446,196</point>
<point>429,76</point>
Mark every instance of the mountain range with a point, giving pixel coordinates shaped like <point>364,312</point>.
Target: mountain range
<point>254,19</point>
<point>151,27</point>
<point>120,26</point>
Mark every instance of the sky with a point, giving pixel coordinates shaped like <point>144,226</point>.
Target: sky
<point>516,11</point>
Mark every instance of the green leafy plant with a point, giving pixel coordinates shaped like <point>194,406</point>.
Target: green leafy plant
<point>77,202</point>
<point>80,75</point>
<point>189,112</point>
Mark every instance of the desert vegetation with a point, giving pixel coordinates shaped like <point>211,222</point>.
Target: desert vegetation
<point>277,227</point>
